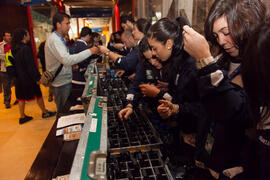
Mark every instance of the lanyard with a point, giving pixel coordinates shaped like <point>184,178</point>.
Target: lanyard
<point>62,39</point>
<point>235,73</point>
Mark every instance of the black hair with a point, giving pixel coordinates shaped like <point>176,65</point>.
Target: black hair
<point>85,31</point>
<point>143,47</point>
<point>256,72</point>
<point>243,18</point>
<point>143,25</point>
<point>4,33</point>
<point>165,29</point>
<point>125,18</point>
<point>17,37</point>
<point>95,34</point>
<point>58,18</point>
<point>181,22</point>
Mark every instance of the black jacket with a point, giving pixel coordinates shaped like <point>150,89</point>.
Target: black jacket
<point>182,74</point>
<point>27,72</point>
<point>145,74</point>
<point>128,62</point>
<point>228,116</point>
<point>78,75</point>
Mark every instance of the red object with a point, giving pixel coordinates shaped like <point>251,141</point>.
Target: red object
<point>133,8</point>
<point>117,18</point>
<point>7,47</point>
<point>32,34</point>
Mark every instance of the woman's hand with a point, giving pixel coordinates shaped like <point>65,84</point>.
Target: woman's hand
<point>94,50</point>
<point>195,44</point>
<point>120,73</point>
<point>103,49</point>
<point>131,76</point>
<point>126,112</point>
<point>214,173</point>
<point>163,85</point>
<point>149,90</point>
<point>167,109</point>
<point>230,173</point>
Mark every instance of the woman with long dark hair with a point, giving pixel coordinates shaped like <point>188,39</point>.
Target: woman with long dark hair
<point>256,79</point>
<point>222,139</point>
<point>28,76</point>
<point>148,71</point>
<point>165,39</point>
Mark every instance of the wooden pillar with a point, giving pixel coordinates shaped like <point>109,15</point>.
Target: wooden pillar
<point>78,28</point>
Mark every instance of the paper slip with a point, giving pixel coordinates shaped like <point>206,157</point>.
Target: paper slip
<point>72,136</point>
<point>93,127</point>
<point>64,177</point>
<point>69,129</point>
<point>92,114</point>
<point>76,107</point>
<point>70,120</point>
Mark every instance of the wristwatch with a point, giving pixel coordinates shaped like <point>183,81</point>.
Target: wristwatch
<point>107,53</point>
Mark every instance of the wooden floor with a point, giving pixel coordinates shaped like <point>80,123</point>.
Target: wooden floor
<point>19,144</point>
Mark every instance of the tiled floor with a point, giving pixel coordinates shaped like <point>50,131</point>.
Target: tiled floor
<point>19,144</point>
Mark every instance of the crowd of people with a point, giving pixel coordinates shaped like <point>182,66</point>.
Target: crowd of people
<point>206,93</point>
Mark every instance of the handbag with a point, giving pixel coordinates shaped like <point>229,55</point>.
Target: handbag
<point>47,77</point>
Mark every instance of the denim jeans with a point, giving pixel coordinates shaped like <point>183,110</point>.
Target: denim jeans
<point>61,95</point>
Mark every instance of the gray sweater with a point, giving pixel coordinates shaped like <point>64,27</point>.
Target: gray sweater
<point>57,53</point>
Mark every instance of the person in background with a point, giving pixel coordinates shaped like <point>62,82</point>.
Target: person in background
<point>68,40</point>
<point>41,55</point>
<point>126,22</point>
<point>7,79</point>
<point>78,70</point>
<point>57,53</point>
<point>28,76</point>
<point>127,63</point>
<point>131,39</point>
<point>96,41</point>
<point>116,45</point>
<point>222,139</point>
<point>256,80</point>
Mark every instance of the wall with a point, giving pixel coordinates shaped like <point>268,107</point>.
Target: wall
<point>12,17</point>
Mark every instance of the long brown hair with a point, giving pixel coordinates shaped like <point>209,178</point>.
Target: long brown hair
<point>244,16</point>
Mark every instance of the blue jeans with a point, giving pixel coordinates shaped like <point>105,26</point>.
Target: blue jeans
<point>61,95</point>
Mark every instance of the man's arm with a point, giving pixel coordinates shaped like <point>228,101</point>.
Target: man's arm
<point>112,56</point>
<point>58,49</point>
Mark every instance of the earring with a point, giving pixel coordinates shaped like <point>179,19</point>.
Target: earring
<point>169,48</point>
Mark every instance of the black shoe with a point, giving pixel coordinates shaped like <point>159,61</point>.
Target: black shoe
<point>48,114</point>
<point>15,103</point>
<point>25,119</point>
<point>8,106</point>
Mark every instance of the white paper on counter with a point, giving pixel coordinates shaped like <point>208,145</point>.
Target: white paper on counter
<point>70,120</point>
<point>93,127</point>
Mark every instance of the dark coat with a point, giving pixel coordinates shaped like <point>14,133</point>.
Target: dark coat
<point>182,75</point>
<point>128,62</point>
<point>78,75</point>
<point>26,87</point>
<point>228,116</point>
<point>27,72</point>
